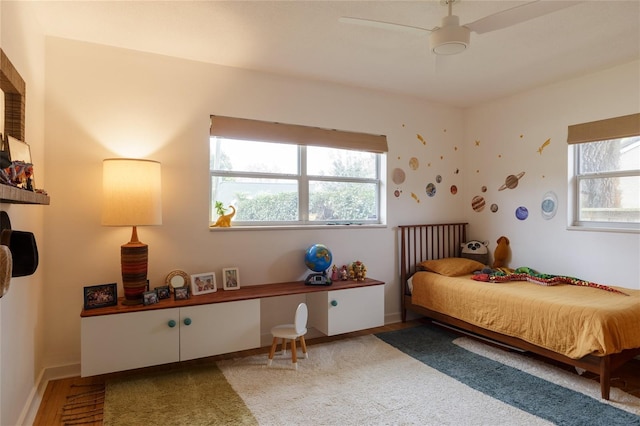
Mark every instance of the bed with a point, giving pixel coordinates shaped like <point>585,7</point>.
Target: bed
<point>586,327</point>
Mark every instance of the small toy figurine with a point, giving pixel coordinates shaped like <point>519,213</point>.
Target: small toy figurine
<point>344,275</point>
<point>334,273</point>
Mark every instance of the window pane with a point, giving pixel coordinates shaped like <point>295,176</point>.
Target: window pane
<point>342,201</point>
<point>340,162</point>
<point>610,199</point>
<point>250,156</point>
<point>607,156</point>
<point>267,200</point>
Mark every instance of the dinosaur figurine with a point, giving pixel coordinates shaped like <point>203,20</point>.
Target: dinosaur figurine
<point>224,221</point>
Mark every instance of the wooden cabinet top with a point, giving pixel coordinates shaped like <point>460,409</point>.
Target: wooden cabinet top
<point>243,293</point>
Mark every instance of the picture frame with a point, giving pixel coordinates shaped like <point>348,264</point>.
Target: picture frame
<point>18,150</point>
<point>150,297</point>
<point>100,296</point>
<point>231,278</point>
<point>164,292</point>
<point>181,293</point>
<point>203,283</point>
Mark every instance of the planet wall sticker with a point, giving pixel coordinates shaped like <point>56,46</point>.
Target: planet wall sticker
<point>477,203</point>
<point>414,163</point>
<point>494,208</point>
<point>398,176</point>
<point>511,181</point>
<point>454,189</point>
<point>431,190</point>
<point>549,205</point>
<point>522,213</point>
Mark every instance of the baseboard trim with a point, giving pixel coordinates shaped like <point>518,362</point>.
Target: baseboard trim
<point>30,410</point>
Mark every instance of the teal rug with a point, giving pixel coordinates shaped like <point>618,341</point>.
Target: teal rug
<point>557,404</point>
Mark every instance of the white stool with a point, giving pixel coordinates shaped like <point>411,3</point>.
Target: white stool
<point>291,332</point>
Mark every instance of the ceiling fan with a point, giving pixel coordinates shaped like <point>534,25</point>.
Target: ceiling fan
<point>451,38</point>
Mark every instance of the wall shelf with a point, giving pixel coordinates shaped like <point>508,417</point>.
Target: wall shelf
<point>10,194</point>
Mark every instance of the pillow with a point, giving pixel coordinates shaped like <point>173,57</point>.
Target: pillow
<point>451,266</point>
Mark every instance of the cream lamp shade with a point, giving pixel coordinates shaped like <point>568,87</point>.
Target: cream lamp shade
<point>131,192</point>
<point>132,197</point>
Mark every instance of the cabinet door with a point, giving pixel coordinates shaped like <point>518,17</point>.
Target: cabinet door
<point>124,341</point>
<point>219,328</point>
<point>343,311</point>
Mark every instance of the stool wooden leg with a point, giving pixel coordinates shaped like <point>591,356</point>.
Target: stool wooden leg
<point>294,353</point>
<point>272,351</point>
<point>304,347</point>
<point>284,346</point>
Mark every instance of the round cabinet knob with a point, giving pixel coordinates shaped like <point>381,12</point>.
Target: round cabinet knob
<point>171,323</point>
<point>334,303</point>
<point>187,321</point>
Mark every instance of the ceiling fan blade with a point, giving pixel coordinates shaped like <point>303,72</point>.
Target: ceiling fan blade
<point>383,25</point>
<point>517,14</point>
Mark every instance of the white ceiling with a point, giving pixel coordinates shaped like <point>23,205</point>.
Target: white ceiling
<point>305,38</point>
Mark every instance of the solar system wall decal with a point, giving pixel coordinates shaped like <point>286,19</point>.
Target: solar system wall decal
<point>412,166</point>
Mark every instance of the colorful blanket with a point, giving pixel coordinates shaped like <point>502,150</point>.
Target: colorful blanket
<point>528,274</point>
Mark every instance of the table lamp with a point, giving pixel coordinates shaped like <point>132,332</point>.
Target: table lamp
<point>132,197</point>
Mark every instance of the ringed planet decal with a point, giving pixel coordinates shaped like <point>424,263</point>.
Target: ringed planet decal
<point>511,181</point>
<point>549,205</point>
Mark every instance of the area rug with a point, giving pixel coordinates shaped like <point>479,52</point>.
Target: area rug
<point>197,395</point>
<point>416,376</point>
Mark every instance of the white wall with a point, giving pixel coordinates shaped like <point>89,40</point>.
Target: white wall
<point>104,102</point>
<point>21,320</point>
<point>510,132</point>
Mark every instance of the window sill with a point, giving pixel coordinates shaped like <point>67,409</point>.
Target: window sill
<point>604,229</point>
<point>296,227</point>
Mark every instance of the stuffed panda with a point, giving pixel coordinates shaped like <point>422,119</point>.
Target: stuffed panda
<point>476,250</point>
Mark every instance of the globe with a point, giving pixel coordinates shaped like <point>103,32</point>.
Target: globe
<point>318,258</point>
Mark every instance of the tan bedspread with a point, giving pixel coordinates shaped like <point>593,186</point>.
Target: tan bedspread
<point>571,320</point>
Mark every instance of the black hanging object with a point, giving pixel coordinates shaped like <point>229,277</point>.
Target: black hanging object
<point>22,244</point>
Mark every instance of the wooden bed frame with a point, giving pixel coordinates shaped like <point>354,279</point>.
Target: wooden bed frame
<point>436,241</point>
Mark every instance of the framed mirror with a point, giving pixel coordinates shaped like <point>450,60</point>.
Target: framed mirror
<point>176,279</point>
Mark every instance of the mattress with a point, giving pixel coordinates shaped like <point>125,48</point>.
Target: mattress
<point>571,320</point>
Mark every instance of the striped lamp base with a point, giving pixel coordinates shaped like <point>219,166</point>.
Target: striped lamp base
<point>134,258</point>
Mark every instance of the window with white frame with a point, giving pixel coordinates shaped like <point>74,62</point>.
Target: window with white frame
<point>276,174</point>
<point>606,173</point>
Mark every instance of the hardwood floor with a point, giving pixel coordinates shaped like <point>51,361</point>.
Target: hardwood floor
<point>79,401</point>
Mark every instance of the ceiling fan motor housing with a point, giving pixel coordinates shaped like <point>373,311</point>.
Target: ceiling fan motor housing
<point>450,38</point>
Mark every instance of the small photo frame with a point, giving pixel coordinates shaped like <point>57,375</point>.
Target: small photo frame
<point>203,283</point>
<point>231,278</point>
<point>18,150</point>
<point>150,298</point>
<point>164,292</point>
<point>181,293</point>
<point>99,296</point>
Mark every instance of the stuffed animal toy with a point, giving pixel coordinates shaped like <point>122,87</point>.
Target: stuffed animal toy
<point>476,250</point>
<point>501,253</point>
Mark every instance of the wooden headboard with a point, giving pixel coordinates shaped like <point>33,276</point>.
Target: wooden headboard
<point>425,242</point>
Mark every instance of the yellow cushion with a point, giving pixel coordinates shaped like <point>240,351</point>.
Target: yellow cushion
<point>451,266</point>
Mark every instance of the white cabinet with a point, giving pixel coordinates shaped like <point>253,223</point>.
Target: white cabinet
<point>343,311</point>
<point>125,341</point>
<point>118,338</point>
<point>219,328</point>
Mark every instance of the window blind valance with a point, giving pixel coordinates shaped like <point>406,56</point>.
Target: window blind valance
<point>246,129</point>
<point>602,130</point>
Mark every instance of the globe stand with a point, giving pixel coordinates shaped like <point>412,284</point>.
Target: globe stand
<point>318,279</point>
